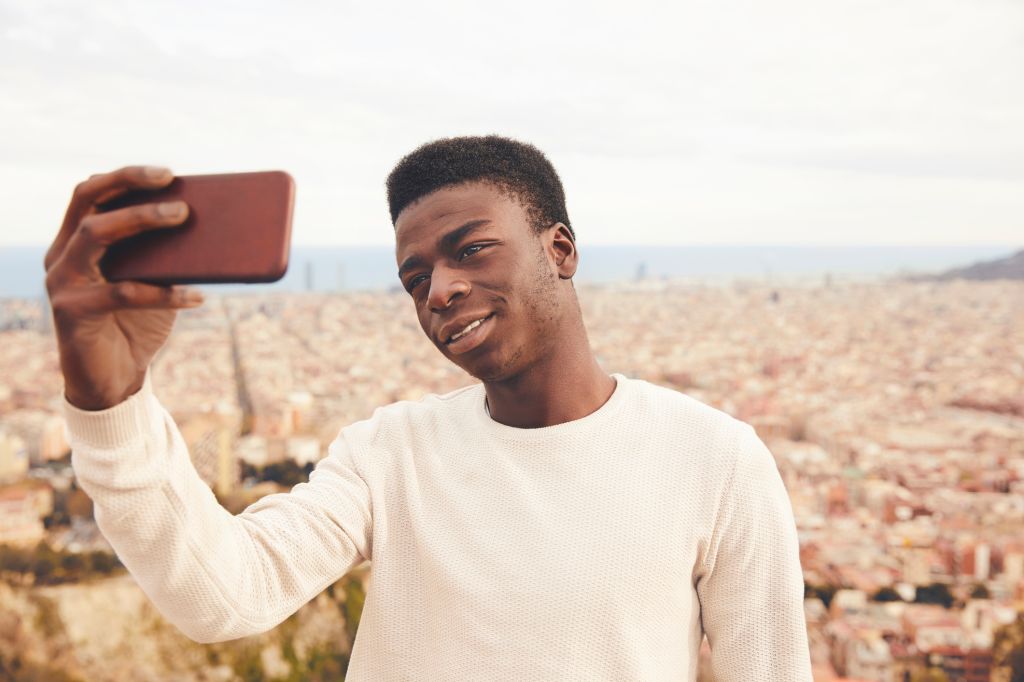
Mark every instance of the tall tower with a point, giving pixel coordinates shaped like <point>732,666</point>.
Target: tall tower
<point>227,466</point>
<point>13,458</point>
<point>341,276</point>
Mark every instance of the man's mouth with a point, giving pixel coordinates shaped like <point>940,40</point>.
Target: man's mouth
<point>467,329</point>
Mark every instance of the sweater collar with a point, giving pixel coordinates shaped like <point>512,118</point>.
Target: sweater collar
<point>596,418</point>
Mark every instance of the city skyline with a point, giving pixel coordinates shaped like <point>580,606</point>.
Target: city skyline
<point>903,461</point>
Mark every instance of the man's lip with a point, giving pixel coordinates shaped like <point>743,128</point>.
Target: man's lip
<point>452,328</point>
<point>471,339</point>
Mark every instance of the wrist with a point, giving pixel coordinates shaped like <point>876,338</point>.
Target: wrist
<point>93,401</point>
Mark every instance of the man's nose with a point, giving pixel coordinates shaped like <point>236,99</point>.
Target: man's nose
<point>445,286</point>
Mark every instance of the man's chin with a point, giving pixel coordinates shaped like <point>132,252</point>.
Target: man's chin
<point>491,370</point>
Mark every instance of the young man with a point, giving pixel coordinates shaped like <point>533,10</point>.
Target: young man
<point>553,522</point>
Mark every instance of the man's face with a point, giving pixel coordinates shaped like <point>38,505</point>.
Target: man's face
<point>486,288</point>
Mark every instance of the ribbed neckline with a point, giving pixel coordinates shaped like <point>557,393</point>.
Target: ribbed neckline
<point>595,418</point>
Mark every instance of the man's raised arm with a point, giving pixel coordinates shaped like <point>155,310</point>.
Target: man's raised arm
<point>214,575</point>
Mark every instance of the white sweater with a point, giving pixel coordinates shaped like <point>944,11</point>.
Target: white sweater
<point>598,549</point>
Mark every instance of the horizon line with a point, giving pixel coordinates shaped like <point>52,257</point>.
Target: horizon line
<point>1009,245</point>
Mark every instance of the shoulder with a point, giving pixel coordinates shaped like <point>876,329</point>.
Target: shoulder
<point>708,434</point>
<point>682,412</point>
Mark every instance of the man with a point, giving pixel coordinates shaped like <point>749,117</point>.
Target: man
<point>553,522</point>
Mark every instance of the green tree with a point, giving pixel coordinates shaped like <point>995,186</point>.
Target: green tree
<point>103,563</point>
<point>44,563</point>
<point>352,607</point>
<point>936,593</point>
<point>14,560</point>
<point>286,473</point>
<point>929,675</point>
<point>979,591</point>
<point>72,564</point>
<point>1008,648</point>
<point>51,567</point>
<point>29,671</point>
<point>248,665</point>
<point>822,592</point>
<point>886,594</point>
<point>326,666</point>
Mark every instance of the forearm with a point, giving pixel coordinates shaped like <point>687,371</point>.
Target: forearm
<point>214,575</point>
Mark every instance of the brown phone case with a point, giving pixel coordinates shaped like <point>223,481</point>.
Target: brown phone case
<point>238,231</point>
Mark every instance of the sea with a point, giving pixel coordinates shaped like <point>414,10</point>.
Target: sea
<point>372,268</point>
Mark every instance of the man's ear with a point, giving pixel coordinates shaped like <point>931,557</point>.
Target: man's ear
<point>562,247</point>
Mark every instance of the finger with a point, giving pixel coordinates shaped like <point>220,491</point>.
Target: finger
<point>100,188</point>
<point>103,297</point>
<point>99,230</point>
<point>141,295</point>
<point>106,186</point>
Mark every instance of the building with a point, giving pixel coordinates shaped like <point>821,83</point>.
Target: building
<point>209,438</point>
<point>13,458</point>
<point>22,510</point>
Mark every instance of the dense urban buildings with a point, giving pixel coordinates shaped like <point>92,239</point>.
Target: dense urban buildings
<point>895,411</point>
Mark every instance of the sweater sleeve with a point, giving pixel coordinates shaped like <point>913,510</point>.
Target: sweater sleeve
<point>751,588</point>
<point>214,575</point>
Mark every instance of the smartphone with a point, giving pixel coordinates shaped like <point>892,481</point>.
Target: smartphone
<point>238,231</point>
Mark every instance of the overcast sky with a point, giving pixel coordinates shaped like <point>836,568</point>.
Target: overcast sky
<point>724,122</point>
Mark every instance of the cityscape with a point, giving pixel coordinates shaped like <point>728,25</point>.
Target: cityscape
<point>894,410</point>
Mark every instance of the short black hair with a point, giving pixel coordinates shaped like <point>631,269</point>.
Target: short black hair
<point>514,167</point>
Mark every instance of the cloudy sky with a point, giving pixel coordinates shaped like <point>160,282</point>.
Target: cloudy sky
<point>714,122</point>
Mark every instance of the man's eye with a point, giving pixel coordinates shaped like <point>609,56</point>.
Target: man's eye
<point>414,282</point>
<point>470,250</point>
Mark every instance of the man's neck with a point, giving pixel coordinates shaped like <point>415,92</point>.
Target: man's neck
<point>562,391</point>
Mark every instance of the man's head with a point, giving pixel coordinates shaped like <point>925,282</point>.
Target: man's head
<point>519,169</point>
<point>485,251</point>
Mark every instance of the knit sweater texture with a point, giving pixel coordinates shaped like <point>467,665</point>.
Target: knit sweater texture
<point>599,549</point>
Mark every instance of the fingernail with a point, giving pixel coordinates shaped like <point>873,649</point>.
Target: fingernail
<point>193,296</point>
<point>156,172</point>
<point>170,209</point>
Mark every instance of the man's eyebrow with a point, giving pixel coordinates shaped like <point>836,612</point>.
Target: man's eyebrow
<point>446,243</point>
<point>450,240</point>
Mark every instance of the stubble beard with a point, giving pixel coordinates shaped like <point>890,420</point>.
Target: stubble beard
<point>544,313</point>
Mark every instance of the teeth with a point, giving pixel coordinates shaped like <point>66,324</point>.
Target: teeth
<point>469,327</point>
